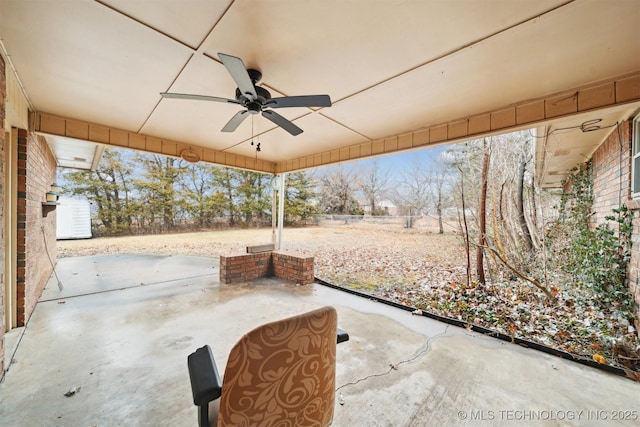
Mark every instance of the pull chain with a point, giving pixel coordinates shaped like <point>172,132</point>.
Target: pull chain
<point>252,142</point>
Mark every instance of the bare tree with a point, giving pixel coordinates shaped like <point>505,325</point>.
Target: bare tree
<point>464,165</point>
<point>482,212</point>
<point>507,211</point>
<point>466,227</point>
<point>440,188</point>
<point>526,233</point>
<point>374,184</point>
<point>413,191</point>
<point>338,186</point>
<point>514,230</point>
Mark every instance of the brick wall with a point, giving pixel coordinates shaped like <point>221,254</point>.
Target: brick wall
<point>245,267</point>
<point>3,92</point>
<point>612,187</point>
<point>295,268</point>
<point>612,173</point>
<point>36,234</point>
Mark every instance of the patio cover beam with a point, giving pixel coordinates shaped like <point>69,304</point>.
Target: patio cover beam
<point>49,124</point>
<point>526,114</point>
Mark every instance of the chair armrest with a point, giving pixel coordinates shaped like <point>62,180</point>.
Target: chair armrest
<point>203,373</point>
<point>342,336</point>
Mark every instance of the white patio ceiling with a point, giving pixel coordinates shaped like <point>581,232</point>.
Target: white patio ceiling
<point>401,74</point>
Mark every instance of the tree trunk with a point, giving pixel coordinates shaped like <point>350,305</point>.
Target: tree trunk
<point>482,213</point>
<point>466,228</point>
<point>501,202</point>
<point>526,234</point>
<point>535,237</point>
<point>410,219</point>
<point>439,212</point>
<point>230,203</point>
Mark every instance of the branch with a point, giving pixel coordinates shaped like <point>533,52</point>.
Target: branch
<point>535,282</point>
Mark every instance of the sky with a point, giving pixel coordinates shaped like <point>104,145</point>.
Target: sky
<point>400,160</point>
<point>398,163</point>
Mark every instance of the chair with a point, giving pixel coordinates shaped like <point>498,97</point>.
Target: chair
<point>280,373</point>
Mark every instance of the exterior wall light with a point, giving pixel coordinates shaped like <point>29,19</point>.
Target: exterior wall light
<point>52,194</point>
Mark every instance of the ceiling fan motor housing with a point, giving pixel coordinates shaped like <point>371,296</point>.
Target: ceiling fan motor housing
<point>253,107</point>
<point>263,96</point>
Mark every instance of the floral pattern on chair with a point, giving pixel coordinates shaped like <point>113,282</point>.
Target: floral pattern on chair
<point>282,373</point>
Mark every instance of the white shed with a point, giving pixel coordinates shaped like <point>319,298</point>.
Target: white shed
<point>73,219</point>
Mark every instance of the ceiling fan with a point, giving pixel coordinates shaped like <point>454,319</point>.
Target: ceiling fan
<point>255,99</point>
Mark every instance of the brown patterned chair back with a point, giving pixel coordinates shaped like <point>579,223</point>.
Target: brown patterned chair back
<point>282,373</point>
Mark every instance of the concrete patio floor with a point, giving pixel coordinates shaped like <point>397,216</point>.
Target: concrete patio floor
<point>123,325</point>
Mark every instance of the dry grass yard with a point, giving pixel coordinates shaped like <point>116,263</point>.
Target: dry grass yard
<point>363,255</point>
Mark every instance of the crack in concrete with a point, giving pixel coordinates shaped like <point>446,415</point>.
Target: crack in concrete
<point>123,288</point>
<point>394,367</point>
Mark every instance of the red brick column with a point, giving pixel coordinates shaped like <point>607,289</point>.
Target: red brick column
<point>36,233</point>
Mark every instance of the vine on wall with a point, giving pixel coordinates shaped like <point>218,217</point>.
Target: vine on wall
<point>594,257</point>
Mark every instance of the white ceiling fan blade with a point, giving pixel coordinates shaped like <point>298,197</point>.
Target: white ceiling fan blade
<point>239,73</point>
<point>235,121</point>
<point>197,97</point>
